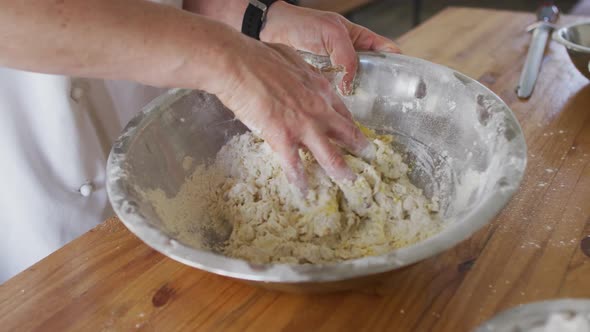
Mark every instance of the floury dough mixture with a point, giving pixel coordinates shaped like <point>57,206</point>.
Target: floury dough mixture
<point>244,197</point>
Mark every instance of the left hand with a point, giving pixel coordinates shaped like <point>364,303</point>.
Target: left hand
<point>323,33</point>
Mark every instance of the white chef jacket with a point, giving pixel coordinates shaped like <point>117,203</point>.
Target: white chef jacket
<point>55,136</point>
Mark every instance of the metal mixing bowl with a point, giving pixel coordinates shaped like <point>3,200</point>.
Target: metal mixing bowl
<point>576,38</point>
<point>535,315</point>
<point>463,142</point>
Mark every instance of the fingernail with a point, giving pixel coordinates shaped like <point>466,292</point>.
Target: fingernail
<point>390,49</point>
<point>346,174</point>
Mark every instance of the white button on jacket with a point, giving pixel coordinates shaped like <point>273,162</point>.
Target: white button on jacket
<point>86,189</point>
<point>55,136</point>
<point>77,93</point>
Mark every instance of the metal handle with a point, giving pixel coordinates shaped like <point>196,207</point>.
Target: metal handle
<point>547,15</point>
<point>533,61</point>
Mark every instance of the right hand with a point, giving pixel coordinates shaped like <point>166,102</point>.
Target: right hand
<point>289,104</point>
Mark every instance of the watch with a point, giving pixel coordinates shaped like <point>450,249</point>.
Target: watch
<point>255,16</point>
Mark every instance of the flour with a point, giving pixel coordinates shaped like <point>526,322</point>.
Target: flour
<point>243,206</point>
<point>564,323</point>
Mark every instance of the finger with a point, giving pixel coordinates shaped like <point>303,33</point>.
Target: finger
<point>340,107</point>
<point>290,160</point>
<point>365,39</point>
<point>339,46</point>
<point>328,156</point>
<point>347,134</point>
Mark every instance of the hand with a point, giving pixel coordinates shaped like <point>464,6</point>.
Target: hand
<point>323,33</point>
<point>291,105</point>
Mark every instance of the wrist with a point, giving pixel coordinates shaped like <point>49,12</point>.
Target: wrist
<point>229,12</point>
<point>269,32</point>
<point>225,63</point>
<point>256,14</point>
<point>205,56</point>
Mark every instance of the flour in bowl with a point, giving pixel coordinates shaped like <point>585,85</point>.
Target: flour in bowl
<point>245,202</point>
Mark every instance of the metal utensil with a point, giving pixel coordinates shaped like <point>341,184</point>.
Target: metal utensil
<point>547,15</point>
<point>463,141</point>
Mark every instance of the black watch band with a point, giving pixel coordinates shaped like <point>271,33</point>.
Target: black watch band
<point>255,16</point>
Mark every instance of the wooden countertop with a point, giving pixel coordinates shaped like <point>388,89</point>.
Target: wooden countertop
<point>109,280</point>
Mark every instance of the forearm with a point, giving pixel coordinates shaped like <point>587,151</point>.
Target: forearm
<point>230,12</point>
<point>112,39</point>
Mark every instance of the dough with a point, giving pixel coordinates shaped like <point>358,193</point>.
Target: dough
<point>245,207</point>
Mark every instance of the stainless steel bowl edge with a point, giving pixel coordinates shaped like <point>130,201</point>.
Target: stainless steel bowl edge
<point>533,315</point>
<point>572,36</point>
<point>135,215</point>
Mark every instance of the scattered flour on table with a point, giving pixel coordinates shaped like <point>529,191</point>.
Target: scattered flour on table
<point>245,204</point>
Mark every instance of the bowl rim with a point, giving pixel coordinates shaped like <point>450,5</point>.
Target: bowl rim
<point>539,308</point>
<point>558,36</point>
<point>451,235</point>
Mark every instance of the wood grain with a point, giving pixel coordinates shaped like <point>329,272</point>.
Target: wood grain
<point>108,280</point>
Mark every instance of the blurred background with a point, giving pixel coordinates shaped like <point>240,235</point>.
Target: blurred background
<point>392,18</point>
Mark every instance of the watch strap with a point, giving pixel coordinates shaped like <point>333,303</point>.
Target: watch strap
<point>255,16</point>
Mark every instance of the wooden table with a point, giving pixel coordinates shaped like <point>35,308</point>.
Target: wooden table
<point>109,280</point>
